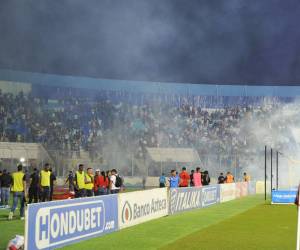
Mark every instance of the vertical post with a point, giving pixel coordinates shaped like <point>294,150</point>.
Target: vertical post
<point>131,164</point>
<point>298,220</point>
<point>265,172</point>
<point>271,170</point>
<point>277,170</point>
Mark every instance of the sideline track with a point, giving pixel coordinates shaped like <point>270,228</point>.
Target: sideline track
<point>161,232</point>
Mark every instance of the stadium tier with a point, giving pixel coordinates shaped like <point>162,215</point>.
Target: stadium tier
<point>114,124</point>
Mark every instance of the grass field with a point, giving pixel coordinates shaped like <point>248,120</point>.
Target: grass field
<point>247,223</point>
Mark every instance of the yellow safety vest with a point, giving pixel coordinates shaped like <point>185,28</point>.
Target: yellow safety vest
<point>80,180</point>
<point>247,178</point>
<point>89,186</point>
<point>18,185</point>
<point>45,178</point>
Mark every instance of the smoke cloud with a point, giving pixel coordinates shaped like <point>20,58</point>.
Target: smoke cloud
<point>171,40</point>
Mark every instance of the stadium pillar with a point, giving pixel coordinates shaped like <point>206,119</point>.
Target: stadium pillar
<point>277,170</point>
<point>271,170</point>
<point>265,172</point>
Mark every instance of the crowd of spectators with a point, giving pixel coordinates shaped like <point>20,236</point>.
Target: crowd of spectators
<point>72,124</point>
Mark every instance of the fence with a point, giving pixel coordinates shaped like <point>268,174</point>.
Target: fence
<point>55,224</point>
<point>128,163</point>
<point>131,164</point>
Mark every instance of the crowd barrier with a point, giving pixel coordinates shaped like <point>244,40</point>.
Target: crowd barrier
<point>55,224</point>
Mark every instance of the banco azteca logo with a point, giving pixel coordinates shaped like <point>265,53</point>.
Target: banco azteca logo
<point>126,212</point>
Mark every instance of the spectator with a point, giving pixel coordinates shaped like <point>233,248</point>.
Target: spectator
<point>221,179</point>
<point>114,187</point>
<point>45,183</point>
<point>6,181</point>
<point>184,178</point>
<point>229,178</point>
<point>108,175</point>
<point>192,178</point>
<point>205,178</point>
<point>102,183</point>
<point>80,182</point>
<point>19,192</point>
<point>197,178</point>
<point>89,182</point>
<point>246,177</point>
<point>96,182</point>
<point>174,179</point>
<point>52,183</point>
<point>70,181</point>
<point>162,180</point>
<point>144,179</point>
<point>34,186</point>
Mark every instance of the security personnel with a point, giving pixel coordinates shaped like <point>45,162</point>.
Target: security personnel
<point>45,183</point>
<point>80,182</point>
<point>246,177</point>
<point>89,182</point>
<point>229,178</point>
<point>18,189</point>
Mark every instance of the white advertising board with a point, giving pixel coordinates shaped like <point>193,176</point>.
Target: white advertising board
<point>138,207</point>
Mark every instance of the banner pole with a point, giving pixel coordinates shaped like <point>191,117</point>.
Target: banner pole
<point>265,173</point>
<point>277,177</point>
<point>271,170</point>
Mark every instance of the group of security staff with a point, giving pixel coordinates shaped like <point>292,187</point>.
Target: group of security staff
<point>40,187</point>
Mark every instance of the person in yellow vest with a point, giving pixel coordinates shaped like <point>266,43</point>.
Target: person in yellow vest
<point>45,183</point>
<point>80,182</point>
<point>19,192</point>
<point>246,177</point>
<point>89,182</point>
<point>229,178</point>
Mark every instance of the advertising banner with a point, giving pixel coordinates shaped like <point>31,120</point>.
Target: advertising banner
<point>210,195</point>
<point>241,189</point>
<point>183,199</point>
<point>54,224</point>
<point>283,196</point>
<point>227,192</point>
<point>141,206</point>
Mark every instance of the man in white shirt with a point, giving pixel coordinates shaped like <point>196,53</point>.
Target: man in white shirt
<point>114,185</point>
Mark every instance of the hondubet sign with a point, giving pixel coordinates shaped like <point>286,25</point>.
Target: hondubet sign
<point>54,224</point>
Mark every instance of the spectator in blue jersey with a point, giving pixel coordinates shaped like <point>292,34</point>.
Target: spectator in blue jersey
<point>162,180</point>
<point>174,179</point>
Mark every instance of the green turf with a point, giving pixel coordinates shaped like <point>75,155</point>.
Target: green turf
<point>265,227</point>
<point>8,229</point>
<point>158,233</point>
<point>246,223</point>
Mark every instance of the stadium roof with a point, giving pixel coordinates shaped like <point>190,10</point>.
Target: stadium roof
<point>149,87</point>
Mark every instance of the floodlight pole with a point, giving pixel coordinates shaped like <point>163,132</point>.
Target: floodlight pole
<point>265,172</point>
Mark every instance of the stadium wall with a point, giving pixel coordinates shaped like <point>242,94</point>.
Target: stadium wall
<point>55,224</point>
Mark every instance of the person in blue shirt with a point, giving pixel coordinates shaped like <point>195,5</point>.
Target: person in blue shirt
<point>174,179</point>
<point>162,180</point>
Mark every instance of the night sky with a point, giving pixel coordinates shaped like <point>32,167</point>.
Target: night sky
<point>225,41</point>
